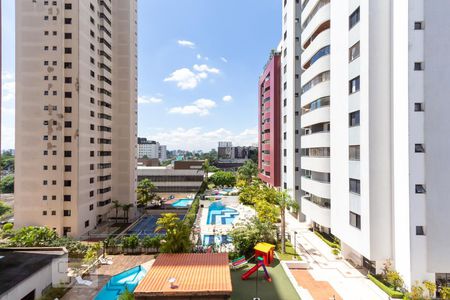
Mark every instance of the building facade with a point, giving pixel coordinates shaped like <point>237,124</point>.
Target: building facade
<point>374,120</point>
<point>269,122</point>
<point>76,111</point>
<point>151,149</point>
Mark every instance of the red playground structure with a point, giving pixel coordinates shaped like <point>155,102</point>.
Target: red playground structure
<point>264,257</point>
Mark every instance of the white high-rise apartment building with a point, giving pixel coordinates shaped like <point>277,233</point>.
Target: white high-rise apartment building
<point>290,50</point>
<point>76,111</point>
<point>375,131</point>
<point>151,149</point>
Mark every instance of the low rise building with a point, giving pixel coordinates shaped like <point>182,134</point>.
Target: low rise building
<point>181,177</point>
<point>25,273</point>
<point>151,149</point>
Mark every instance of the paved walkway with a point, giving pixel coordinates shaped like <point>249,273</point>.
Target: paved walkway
<point>349,282</point>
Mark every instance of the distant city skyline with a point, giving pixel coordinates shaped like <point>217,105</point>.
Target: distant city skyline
<point>195,88</point>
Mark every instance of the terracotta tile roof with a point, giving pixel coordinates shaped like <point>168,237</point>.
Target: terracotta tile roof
<point>195,274</point>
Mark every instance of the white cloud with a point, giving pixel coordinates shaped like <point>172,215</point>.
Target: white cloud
<point>186,43</point>
<point>227,98</point>
<point>199,56</point>
<point>197,138</point>
<point>189,79</point>
<point>224,59</point>
<point>199,107</point>
<point>148,100</point>
<point>185,78</point>
<point>206,68</point>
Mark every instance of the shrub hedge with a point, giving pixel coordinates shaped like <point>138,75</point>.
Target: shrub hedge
<point>327,241</point>
<point>388,290</point>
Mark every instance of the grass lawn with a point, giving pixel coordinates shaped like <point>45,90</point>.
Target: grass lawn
<point>290,252</point>
<point>279,289</point>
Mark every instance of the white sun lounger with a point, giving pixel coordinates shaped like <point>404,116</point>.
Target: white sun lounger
<point>82,281</point>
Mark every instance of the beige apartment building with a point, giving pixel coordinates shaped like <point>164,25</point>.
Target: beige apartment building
<point>76,111</point>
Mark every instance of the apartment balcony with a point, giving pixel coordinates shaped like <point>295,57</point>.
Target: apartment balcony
<point>322,40</point>
<point>310,5</point>
<point>317,164</point>
<point>318,91</point>
<point>316,213</point>
<point>318,188</point>
<point>354,135</point>
<point>321,16</point>
<point>267,84</point>
<point>266,94</point>
<point>319,139</point>
<point>319,115</point>
<point>319,66</point>
<point>266,126</point>
<point>354,169</point>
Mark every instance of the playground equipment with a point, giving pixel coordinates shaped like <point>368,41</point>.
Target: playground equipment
<point>266,251</point>
<point>260,263</point>
<point>239,262</point>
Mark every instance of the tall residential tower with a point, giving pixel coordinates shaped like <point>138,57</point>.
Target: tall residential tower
<point>76,111</point>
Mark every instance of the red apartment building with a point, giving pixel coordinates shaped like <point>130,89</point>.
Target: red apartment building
<point>269,121</point>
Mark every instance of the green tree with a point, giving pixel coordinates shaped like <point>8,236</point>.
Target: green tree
<point>416,292</point>
<point>266,211</point>
<point>249,193</point>
<point>445,293</point>
<point>430,287</point>
<point>177,239</point>
<point>92,253</point>
<point>222,178</point>
<point>246,235</point>
<point>33,237</point>
<point>126,295</point>
<point>284,201</point>
<point>116,205</point>
<point>205,168</point>
<point>145,192</point>
<point>7,184</point>
<point>248,170</point>
<point>126,209</point>
<point>4,208</point>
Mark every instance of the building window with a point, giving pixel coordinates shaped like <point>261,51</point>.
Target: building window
<point>44,198</point>
<point>353,152</point>
<point>418,148</point>
<point>353,85</point>
<point>68,109</point>
<point>67,198</point>
<point>418,106</point>
<point>92,154</point>
<point>355,220</point>
<point>67,79</point>
<point>67,65</point>
<point>67,168</point>
<point>418,66</point>
<point>67,183</point>
<point>68,124</point>
<point>285,86</point>
<point>91,194</point>
<point>45,182</point>
<point>284,102</point>
<point>68,21</point>
<point>420,230</point>
<point>419,26</point>
<point>68,6</point>
<point>353,119</point>
<point>420,189</point>
<point>91,207</point>
<point>91,180</point>
<point>68,50</point>
<point>44,213</point>
<point>67,213</point>
<point>355,186</point>
<point>284,135</point>
<point>67,153</point>
<point>67,94</point>
<point>86,223</point>
<point>285,35</point>
<point>68,36</point>
<point>354,18</point>
<point>284,169</point>
<point>285,185</point>
<point>353,52</point>
<point>53,212</point>
<point>284,152</point>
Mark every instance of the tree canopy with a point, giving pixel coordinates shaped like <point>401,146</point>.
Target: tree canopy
<point>145,192</point>
<point>248,170</point>
<point>222,178</point>
<point>7,184</point>
<point>177,239</point>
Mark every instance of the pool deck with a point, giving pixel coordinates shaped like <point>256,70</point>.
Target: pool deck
<point>230,201</point>
<point>100,276</point>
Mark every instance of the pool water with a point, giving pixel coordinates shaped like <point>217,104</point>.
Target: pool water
<point>209,239</point>
<point>183,202</point>
<point>128,279</point>
<point>220,214</point>
<point>146,226</point>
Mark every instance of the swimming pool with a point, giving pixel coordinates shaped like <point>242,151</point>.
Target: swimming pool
<point>220,214</point>
<point>146,226</point>
<point>208,239</point>
<point>128,279</point>
<point>185,202</point>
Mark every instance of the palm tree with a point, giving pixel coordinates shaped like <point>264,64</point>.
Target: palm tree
<point>177,239</point>
<point>145,192</point>
<point>284,201</point>
<point>116,205</point>
<point>205,168</point>
<point>126,208</point>
<point>248,170</point>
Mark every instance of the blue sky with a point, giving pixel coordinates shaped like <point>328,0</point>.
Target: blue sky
<point>199,62</point>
